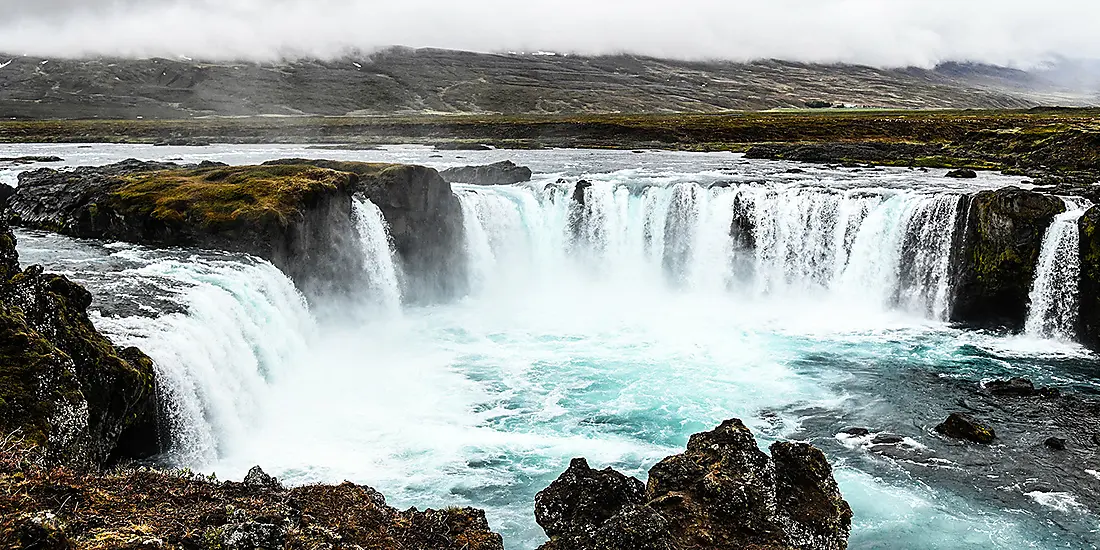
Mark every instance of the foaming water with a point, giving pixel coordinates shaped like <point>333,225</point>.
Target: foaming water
<point>684,292</point>
<point>383,285</point>
<point>1054,298</point>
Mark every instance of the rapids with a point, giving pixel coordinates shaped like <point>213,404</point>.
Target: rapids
<point>612,331</point>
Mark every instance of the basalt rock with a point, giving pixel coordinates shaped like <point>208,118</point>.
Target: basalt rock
<point>722,493</point>
<point>1088,319</point>
<point>962,173</point>
<point>1015,387</point>
<point>500,173</point>
<point>963,426</point>
<point>996,262</point>
<point>64,387</point>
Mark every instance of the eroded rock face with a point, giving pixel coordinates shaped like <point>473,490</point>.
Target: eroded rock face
<point>425,219</point>
<point>1088,320</point>
<point>500,173</point>
<point>63,385</point>
<point>995,266</point>
<point>723,492</point>
<point>582,499</point>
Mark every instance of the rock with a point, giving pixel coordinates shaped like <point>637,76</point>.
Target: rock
<point>1055,443</point>
<point>995,264</point>
<point>722,493</point>
<point>251,535</point>
<point>844,154</point>
<point>41,531</point>
<point>182,142</point>
<point>887,439</point>
<point>579,191</point>
<point>963,173</point>
<point>1015,387</point>
<point>66,388</point>
<point>794,171</point>
<point>963,426</point>
<point>1089,290</point>
<point>500,173</point>
<point>856,432</point>
<point>259,479</point>
<point>297,217</point>
<point>31,159</point>
<point>581,500</point>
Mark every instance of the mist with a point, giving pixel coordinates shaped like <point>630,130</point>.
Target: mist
<point>874,32</point>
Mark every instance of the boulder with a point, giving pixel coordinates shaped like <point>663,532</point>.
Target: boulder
<point>962,173</point>
<point>722,493</point>
<point>996,260</point>
<point>581,500</point>
<point>500,173</point>
<point>1055,444</point>
<point>65,387</point>
<point>963,426</point>
<point>1015,387</point>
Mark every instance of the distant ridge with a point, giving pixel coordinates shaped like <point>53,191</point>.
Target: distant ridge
<point>429,81</point>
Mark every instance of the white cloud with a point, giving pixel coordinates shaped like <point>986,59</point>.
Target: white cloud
<point>877,32</point>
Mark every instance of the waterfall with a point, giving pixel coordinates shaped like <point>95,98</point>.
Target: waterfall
<point>246,325</point>
<point>379,265</point>
<point>880,247</point>
<point>1054,293</point>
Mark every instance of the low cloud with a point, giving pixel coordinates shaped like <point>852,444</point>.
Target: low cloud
<point>875,32</point>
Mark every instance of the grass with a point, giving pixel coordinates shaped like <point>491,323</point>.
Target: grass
<point>222,196</point>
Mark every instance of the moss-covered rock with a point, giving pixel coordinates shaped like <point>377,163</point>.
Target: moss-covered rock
<point>63,385</point>
<point>1089,289</point>
<point>295,216</point>
<point>999,252</point>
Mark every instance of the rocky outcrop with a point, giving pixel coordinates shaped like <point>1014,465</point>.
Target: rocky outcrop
<point>500,173</point>
<point>963,174</point>
<point>964,426</point>
<point>57,507</point>
<point>297,217</point>
<point>1000,247</point>
<point>722,493</point>
<point>1088,319</point>
<point>64,387</point>
<point>425,222</point>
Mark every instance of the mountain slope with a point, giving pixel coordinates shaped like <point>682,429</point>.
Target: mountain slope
<point>442,81</point>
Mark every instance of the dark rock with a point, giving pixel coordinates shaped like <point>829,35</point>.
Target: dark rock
<point>31,159</point>
<point>581,500</point>
<point>795,171</point>
<point>1055,443</point>
<point>500,173</point>
<point>66,388</point>
<point>425,219</point>
<point>846,154</point>
<point>1088,318</point>
<point>722,493</point>
<point>857,432</point>
<point>1001,240</point>
<point>962,173</point>
<point>963,426</point>
<point>579,191</point>
<point>306,230</point>
<point>1015,387</point>
<point>182,142</point>
<point>887,439</point>
<point>259,479</point>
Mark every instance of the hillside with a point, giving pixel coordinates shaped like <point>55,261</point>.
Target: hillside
<point>404,81</point>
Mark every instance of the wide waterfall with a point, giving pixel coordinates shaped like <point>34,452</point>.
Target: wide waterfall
<point>878,247</point>
<point>1054,295</point>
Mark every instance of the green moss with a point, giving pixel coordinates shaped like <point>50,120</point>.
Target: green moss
<point>217,197</point>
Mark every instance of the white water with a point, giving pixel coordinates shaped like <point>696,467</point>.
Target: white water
<point>1054,295</point>
<point>383,286</point>
<point>246,326</point>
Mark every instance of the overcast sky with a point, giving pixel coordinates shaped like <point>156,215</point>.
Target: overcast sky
<point>876,32</point>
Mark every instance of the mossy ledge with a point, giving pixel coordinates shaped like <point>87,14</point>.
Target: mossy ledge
<point>297,214</point>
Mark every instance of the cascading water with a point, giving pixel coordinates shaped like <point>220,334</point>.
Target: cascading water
<point>245,326</point>
<point>379,264</point>
<point>1054,294</point>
